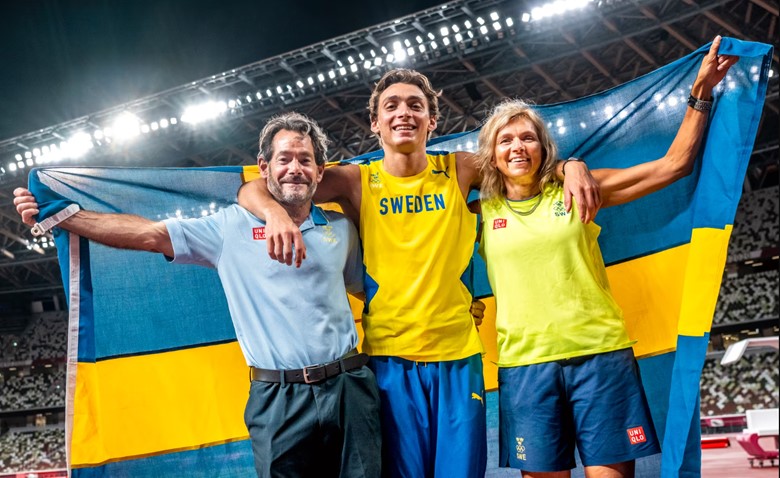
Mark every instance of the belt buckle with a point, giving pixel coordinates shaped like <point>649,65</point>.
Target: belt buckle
<point>313,369</point>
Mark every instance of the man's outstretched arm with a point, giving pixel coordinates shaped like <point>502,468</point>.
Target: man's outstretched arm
<point>123,231</point>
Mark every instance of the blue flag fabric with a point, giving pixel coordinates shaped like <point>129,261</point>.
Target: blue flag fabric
<point>157,384</point>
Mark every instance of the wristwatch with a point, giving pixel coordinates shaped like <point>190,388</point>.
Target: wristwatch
<point>699,105</point>
<point>565,162</point>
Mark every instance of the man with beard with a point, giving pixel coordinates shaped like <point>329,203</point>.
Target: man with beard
<point>313,407</point>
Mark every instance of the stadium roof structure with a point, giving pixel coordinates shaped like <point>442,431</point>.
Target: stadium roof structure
<point>475,51</point>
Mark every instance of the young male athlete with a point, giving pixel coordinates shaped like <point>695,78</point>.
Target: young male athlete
<point>418,237</point>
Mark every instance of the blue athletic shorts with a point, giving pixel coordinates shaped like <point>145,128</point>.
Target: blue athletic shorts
<point>596,402</point>
<point>433,417</point>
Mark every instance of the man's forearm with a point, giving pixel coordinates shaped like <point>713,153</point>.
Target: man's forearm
<point>123,231</point>
<point>255,197</point>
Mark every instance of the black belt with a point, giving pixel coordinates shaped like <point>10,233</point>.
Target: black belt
<point>312,373</point>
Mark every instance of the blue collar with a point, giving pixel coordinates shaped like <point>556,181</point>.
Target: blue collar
<point>318,216</point>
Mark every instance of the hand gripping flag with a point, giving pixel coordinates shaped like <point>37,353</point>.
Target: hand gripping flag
<point>156,380</point>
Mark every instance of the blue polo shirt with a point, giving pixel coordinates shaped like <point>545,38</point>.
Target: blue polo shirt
<point>285,317</point>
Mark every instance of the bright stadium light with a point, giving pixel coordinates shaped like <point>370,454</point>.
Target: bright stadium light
<point>203,112</point>
<point>78,145</point>
<point>164,123</point>
<point>18,157</point>
<point>27,155</point>
<point>558,7</point>
<point>126,126</point>
<point>494,16</point>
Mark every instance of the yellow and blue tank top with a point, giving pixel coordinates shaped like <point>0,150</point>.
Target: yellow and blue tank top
<point>418,238</point>
<point>545,267</point>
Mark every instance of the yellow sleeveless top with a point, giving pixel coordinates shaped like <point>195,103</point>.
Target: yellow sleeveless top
<point>418,238</point>
<point>552,295</point>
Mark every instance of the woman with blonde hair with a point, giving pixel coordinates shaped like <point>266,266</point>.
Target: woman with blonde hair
<point>567,373</point>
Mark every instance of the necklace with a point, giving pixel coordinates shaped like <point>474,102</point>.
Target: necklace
<point>528,212</point>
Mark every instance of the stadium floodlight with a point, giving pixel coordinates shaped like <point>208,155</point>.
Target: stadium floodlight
<point>494,16</point>
<point>455,28</point>
<point>11,167</point>
<point>483,29</point>
<point>367,64</point>
<point>27,155</point>
<point>18,157</point>
<point>496,26</point>
<point>98,134</point>
<point>480,20</point>
<point>310,80</point>
<point>343,71</point>
<point>78,145</point>
<point>458,37</point>
<point>350,59</point>
<point>30,162</point>
<point>36,152</point>
<point>320,77</point>
<point>407,43</point>
<point>361,56</point>
<point>444,31</point>
<point>259,95</point>
<point>421,48</point>
<point>373,53</point>
<point>446,41</point>
<point>299,83</point>
<point>419,39</point>
<point>558,7</point>
<point>525,18</point>
<point>389,58</point>
<point>353,68</point>
<point>378,61</point>
<point>164,123</point>
<point>431,36</point>
<point>332,74</point>
<point>467,24</point>
<point>434,45</point>
<point>126,126</point>
<point>154,125</point>
<point>203,112</point>
<point>509,22</point>
<point>145,128</point>
<point>279,89</point>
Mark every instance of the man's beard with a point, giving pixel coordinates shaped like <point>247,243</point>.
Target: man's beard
<point>291,198</point>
